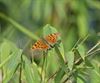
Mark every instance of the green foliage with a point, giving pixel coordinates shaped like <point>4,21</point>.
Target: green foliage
<point>81,49</point>
<point>49,30</point>
<point>31,76</point>
<point>10,59</point>
<point>70,59</point>
<point>74,58</point>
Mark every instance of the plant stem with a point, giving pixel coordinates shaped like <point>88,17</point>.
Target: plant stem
<point>52,76</point>
<point>93,47</point>
<point>18,26</point>
<point>20,75</point>
<point>43,69</point>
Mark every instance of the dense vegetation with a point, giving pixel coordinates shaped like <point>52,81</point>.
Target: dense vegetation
<point>75,59</point>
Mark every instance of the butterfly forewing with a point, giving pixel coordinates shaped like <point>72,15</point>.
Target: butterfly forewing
<point>52,38</point>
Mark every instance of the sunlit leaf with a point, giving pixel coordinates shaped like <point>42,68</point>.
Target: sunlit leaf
<point>12,65</point>
<point>36,73</point>
<point>59,76</point>
<point>29,72</point>
<point>82,51</point>
<point>70,59</point>
<point>52,62</point>
<point>10,59</point>
<point>79,80</point>
<point>49,30</point>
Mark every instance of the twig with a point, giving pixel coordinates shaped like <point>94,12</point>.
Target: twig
<point>67,78</point>
<point>69,75</point>
<point>76,43</point>
<point>93,47</point>
<point>20,75</point>
<point>81,41</point>
<point>95,51</point>
<point>52,76</point>
<point>84,39</point>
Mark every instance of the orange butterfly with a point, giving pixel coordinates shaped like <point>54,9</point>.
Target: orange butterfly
<point>46,42</point>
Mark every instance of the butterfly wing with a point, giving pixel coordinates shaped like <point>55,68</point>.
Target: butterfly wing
<point>45,43</point>
<point>52,38</point>
<point>38,48</point>
<point>40,45</point>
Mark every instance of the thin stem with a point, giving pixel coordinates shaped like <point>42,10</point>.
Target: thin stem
<point>76,43</point>
<point>42,73</point>
<point>93,47</point>
<point>67,78</point>
<point>81,41</point>
<point>52,76</point>
<point>20,75</point>
<point>85,39</point>
<point>95,51</point>
<point>6,60</point>
<point>18,26</point>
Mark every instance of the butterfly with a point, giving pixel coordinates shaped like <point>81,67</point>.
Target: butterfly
<point>46,42</point>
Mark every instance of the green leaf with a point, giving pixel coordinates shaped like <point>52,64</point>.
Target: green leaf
<point>36,73</point>
<point>29,72</point>
<point>59,76</point>
<point>59,49</point>
<point>81,50</point>
<point>95,76</point>
<point>10,59</point>
<point>6,49</point>
<point>79,80</point>
<point>12,65</point>
<point>52,62</point>
<point>88,63</point>
<point>70,59</point>
<point>47,29</point>
<point>81,76</point>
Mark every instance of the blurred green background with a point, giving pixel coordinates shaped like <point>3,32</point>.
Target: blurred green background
<point>22,22</point>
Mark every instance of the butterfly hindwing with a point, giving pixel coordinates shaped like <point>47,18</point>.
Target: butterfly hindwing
<point>40,45</point>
